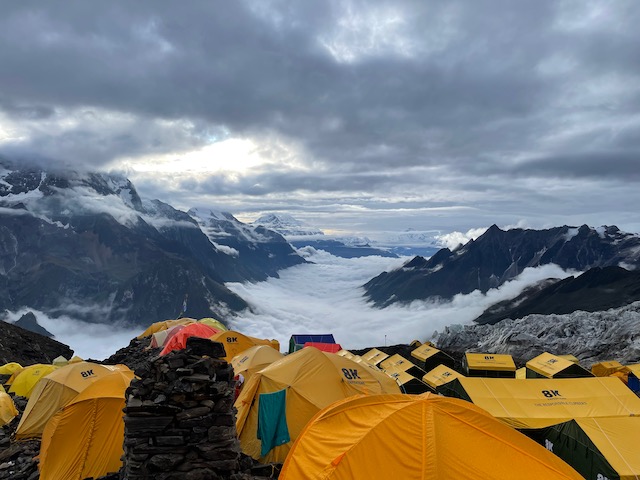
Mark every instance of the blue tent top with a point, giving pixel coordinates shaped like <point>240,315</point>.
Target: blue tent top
<point>297,341</point>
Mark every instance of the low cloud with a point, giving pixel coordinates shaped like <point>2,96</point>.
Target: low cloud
<point>453,239</point>
<point>323,297</point>
<point>95,341</point>
<point>326,297</point>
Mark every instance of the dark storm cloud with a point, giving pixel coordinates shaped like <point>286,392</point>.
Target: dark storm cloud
<point>379,97</point>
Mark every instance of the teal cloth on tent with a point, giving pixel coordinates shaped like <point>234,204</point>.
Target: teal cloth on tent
<point>272,421</point>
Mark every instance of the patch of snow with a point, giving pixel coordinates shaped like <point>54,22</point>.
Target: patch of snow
<point>226,250</point>
<point>453,239</point>
<point>571,232</point>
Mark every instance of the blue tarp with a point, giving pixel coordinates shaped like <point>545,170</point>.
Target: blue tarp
<point>296,342</point>
<point>272,420</point>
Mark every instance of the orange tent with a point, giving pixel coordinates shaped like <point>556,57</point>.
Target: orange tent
<point>179,340</point>
<point>416,437</point>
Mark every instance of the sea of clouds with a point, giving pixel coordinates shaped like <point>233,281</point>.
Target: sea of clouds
<point>325,296</point>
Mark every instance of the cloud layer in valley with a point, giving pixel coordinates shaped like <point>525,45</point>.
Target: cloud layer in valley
<point>322,297</point>
<point>353,115</point>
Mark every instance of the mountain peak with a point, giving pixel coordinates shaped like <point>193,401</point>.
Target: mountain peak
<point>286,225</point>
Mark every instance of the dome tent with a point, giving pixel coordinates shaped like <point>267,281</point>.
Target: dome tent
<point>416,437</point>
<point>306,381</point>
<point>254,359</point>
<point>7,408</point>
<point>57,389</point>
<point>25,381</point>
<point>235,342</point>
<point>85,438</point>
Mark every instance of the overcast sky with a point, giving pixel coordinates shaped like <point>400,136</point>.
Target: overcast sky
<point>351,115</point>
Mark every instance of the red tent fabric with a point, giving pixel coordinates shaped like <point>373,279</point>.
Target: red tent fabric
<point>179,340</point>
<point>324,347</point>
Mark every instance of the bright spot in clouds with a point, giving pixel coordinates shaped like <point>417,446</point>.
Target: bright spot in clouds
<point>231,155</point>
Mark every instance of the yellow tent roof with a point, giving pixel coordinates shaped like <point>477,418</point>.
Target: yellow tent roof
<point>440,375</point>
<point>604,369</point>
<point>548,365</point>
<point>396,359</point>
<point>76,359</point>
<point>424,351</point>
<point>568,356</point>
<point>312,380</point>
<point>618,440</point>
<point>57,389</point>
<point>84,439</point>
<point>163,325</point>
<point>374,356</point>
<point>490,361</point>
<point>415,437</point>
<point>10,368</point>
<point>7,408</point>
<point>254,359</point>
<point>60,361</point>
<point>537,403</point>
<point>212,322</point>
<point>344,353</point>
<point>26,380</point>
<point>235,342</point>
<point>521,372</point>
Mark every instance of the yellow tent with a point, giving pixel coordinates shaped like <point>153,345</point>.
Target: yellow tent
<point>236,343</point>
<point>26,380</point>
<point>7,408</point>
<point>84,439</point>
<point>158,326</point>
<point>212,322</point>
<point>547,365</point>
<point>60,361</point>
<point>604,369</point>
<point>10,368</point>
<point>299,385</point>
<point>526,403</point>
<point>440,375</point>
<point>57,389</point>
<point>429,357</point>
<point>489,365</point>
<point>254,359</point>
<point>374,356</point>
<point>396,359</point>
<point>76,359</point>
<point>415,437</point>
<point>598,447</point>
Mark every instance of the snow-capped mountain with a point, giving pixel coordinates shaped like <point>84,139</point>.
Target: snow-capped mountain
<point>286,225</point>
<point>86,245</point>
<point>261,252</point>
<point>498,256</point>
<point>591,337</point>
<point>300,234</point>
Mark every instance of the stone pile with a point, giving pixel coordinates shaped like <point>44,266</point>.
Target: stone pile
<point>180,420</point>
